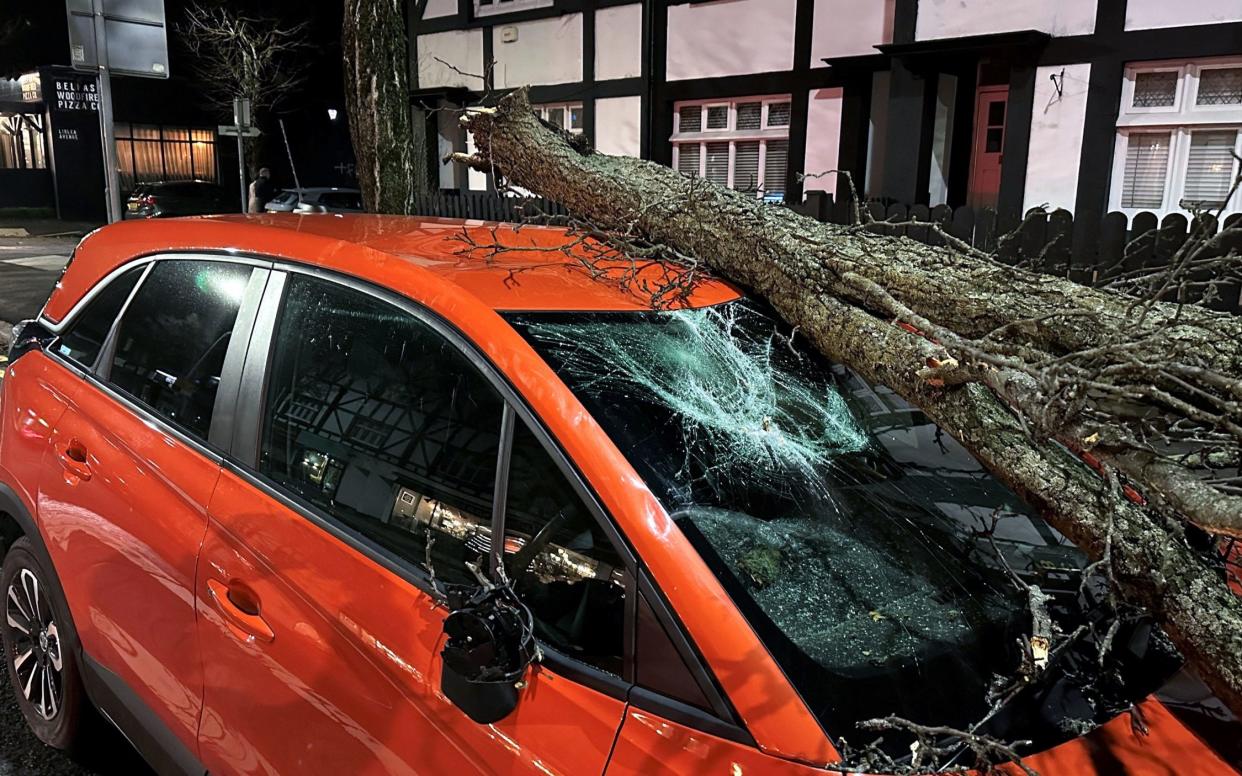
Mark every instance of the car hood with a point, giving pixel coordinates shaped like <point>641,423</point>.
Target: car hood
<point>1167,748</point>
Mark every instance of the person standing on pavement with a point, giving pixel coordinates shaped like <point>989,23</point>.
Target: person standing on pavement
<point>261,191</point>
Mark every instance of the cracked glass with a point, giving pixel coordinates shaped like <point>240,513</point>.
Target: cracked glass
<point>849,529</point>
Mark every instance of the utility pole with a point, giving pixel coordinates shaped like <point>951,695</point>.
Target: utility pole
<point>241,120</point>
<point>107,128</point>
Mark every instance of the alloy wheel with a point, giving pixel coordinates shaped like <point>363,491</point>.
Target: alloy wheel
<point>36,651</point>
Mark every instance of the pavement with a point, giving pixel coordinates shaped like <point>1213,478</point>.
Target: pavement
<point>29,268</point>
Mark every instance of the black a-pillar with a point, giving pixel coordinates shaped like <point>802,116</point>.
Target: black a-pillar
<point>908,144</point>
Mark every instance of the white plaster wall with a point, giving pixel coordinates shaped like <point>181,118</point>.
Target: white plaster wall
<point>463,49</point>
<point>730,37</point>
<point>1056,138</point>
<point>438,8</point>
<point>823,138</point>
<point>619,42</point>
<point>617,121</point>
<point>956,18</point>
<point>843,28</point>
<point>547,51</point>
<point>1146,14</point>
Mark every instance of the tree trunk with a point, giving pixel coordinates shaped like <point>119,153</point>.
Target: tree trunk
<point>392,168</point>
<point>843,288</point>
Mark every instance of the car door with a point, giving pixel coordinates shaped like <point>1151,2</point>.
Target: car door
<point>365,476</point>
<point>125,515</point>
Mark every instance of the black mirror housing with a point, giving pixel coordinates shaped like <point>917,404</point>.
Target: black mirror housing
<point>26,336</point>
<point>486,655</point>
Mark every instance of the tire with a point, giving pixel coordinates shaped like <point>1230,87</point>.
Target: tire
<point>55,705</point>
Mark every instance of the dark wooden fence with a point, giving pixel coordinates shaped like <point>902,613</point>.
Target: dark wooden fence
<point>1043,241</point>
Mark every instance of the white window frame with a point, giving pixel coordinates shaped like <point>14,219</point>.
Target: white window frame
<point>1179,90</point>
<point>541,109</point>
<point>730,134</point>
<point>509,6</point>
<point>1193,93</point>
<point>1180,121</point>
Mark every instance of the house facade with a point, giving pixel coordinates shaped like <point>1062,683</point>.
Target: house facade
<point>1087,105</point>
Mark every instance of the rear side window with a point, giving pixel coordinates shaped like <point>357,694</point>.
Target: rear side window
<point>85,336</point>
<point>379,421</point>
<point>172,341</point>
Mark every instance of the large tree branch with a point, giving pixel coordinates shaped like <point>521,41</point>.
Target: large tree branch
<point>1017,360</point>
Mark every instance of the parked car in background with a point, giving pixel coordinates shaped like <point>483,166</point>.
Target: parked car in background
<point>324,199</point>
<point>320,496</point>
<point>179,198</point>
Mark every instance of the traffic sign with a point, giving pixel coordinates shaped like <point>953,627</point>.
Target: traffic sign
<point>134,36</point>
<point>232,131</point>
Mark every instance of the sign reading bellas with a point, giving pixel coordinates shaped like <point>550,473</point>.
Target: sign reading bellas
<point>76,94</point>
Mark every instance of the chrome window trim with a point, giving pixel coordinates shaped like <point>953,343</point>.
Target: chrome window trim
<point>103,359</point>
<point>229,256</point>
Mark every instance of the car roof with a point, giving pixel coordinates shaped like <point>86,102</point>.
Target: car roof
<point>540,270</point>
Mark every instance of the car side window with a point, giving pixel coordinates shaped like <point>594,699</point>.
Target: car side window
<point>85,336</point>
<point>171,343</point>
<point>376,419</point>
<point>562,564</point>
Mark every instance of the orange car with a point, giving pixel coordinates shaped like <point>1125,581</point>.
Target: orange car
<point>323,495</point>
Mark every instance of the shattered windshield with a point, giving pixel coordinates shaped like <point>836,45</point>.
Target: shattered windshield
<point>867,548</point>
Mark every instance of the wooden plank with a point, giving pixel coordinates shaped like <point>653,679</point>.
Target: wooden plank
<point>1110,257</point>
<point>922,214</point>
<point>1141,248</point>
<point>963,225</point>
<point>1059,238</point>
<point>1231,293</point>
<point>985,230</point>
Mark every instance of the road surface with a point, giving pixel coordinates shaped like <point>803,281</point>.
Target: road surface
<point>29,267</point>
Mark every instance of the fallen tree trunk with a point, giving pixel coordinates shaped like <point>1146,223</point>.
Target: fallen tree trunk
<point>1019,367</point>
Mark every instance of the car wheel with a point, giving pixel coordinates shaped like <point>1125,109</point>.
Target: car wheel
<point>39,649</point>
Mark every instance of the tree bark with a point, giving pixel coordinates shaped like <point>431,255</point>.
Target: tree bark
<point>391,165</point>
<point>843,288</point>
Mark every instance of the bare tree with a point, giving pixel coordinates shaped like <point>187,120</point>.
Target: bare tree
<point>388,143</point>
<point>244,55</point>
<point>1115,411</point>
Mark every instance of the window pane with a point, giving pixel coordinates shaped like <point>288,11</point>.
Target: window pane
<point>1147,161</point>
<point>1155,90</point>
<point>718,163</point>
<point>1220,86</point>
<point>1209,168</point>
<point>778,114</point>
<point>691,118</point>
<point>688,159</point>
<point>746,166</point>
<point>562,564</point>
<point>776,164</point>
<point>993,140</point>
<point>575,117</point>
<point>556,117</point>
<point>749,115</point>
<point>379,421</point>
<point>84,339</point>
<point>718,117</point>
<point>996,113</point>
<point>172,340</point>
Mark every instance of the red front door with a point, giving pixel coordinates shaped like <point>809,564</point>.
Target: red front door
<point>991,107</point>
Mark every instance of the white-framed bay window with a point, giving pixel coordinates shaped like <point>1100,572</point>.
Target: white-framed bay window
<point>1179,137</point>
<point>742,143</point>
<point>566,115</point>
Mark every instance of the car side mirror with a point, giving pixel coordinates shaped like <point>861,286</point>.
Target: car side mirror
<point>26,336</point>
<point>488,651</point>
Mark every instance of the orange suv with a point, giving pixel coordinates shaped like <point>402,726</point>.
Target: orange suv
<point>324,495</point>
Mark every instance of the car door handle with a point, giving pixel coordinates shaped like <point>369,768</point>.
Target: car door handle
<point>73,457</point>
<point>240,606</point>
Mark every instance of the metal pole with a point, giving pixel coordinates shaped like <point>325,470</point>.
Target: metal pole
<point>112,183</point>
<point>241,171</point>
